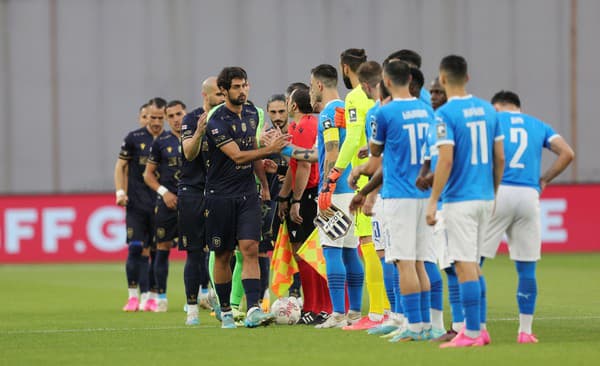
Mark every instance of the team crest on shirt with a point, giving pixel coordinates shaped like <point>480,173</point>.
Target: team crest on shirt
<point>352,115</point>
<point>214,131</point>
<point>244,127</point>
<point>441,130</point>
<point>206,212</point>
<point>234,128</point>
<point>160,232</point>
<point>169,149</point>
<point>216,241</point>
<point>129,232</point>
<point>142,146</point>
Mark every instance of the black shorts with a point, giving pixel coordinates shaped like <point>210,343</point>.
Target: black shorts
<point>229,220</point>
<point>140,226</point>
<point>308,211</point>
<point>190,209</point>
<point>166,222</point>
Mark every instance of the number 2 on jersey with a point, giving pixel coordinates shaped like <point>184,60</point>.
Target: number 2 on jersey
<point>518,135</point>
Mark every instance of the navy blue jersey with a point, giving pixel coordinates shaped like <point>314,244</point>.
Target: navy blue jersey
<point>193,173</point>
<point>224,177</point>
<point>166,154</point>
<point>135,149</point>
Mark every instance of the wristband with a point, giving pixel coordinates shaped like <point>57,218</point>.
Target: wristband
<point>296,201</point>
<point>120,192</point>
<point>162,190</point>
<point>283,199</point>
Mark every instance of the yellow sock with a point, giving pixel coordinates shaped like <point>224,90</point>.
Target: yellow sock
<point>374,279</point>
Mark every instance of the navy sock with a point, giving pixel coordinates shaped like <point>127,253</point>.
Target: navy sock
<point>143,273</point>
<point>483,301</point>
<point>435,279</point>
<point>252,290</point>
<point>527,289</point>
<point>295,287</point>
<point>470,294</point>
<point>336,278</point>
<point>161,270</point>
<point>224,292</point>
<point>454,296</point>
<point>192,275</point>
<point>388,280</point>
<point>132,265</point>
<point>264,264</point>
<point>355,276</point>
<point>151,275</point>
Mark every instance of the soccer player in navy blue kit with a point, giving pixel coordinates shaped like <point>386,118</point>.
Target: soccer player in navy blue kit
<point>139,199</point>
<point>468,172</point>
<point>161,175</point>
<point>232,207</point>
<point>518,203</point>
<point>190,195</point>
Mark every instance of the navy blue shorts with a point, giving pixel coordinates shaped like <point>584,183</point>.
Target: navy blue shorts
<point>190,207</point>
<point>229,220</point>
<point>165,222</point>
<point>140,226</point>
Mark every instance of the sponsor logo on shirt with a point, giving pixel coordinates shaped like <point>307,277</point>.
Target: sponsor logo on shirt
<point>352,115</point>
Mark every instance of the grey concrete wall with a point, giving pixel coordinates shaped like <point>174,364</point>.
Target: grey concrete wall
<point>113,55</point>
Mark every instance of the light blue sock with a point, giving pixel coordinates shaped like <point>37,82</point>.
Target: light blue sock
<point>470,294</point>
<point>388,280</point>
<point>426,307</point>
<point>336,278</point>
<point>412,307</point>
<point>355,276</point>
<point>454,296</point>
<point>435,279</point>
<point>527,289</point>
<point>399,309</point>
<point>483,301</point>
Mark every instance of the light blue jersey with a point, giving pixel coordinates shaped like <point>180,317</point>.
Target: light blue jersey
<point>471,125</point>
<point>326,121</point>
<point>526,137</point>
<point>370,125</point>
<point>401,127</point>
<point>425,96</point>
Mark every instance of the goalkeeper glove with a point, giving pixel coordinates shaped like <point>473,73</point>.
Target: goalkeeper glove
<point>340,117</point>
<point>328,189</point>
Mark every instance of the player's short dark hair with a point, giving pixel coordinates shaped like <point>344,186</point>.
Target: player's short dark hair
<point>455,68</point>
<point>370,73</point>
<point>228,74</point>
<point>383,91</point>
<point>175,103</point>
<point>158,102</point>
<point>353,57</point>
<point>418,80</point>
<point>294,86</point>
<point>409,56</point>
<point>143,106</point>
<point>325,73</point>
<point>275,98</point>
<point>398,72</point>
<point>508,97</point>
<point>302,99</point>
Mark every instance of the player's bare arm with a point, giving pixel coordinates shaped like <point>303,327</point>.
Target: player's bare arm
<point>191,145</point>
<point>120,177</point>
<point>425,178</point>
<point>442,172</point>
<point>151,181</point>
<point>233,152</point>
<point>565,153</point>
<point>371,187</point>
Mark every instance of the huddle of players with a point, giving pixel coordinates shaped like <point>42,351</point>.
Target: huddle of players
<point>462,142</point>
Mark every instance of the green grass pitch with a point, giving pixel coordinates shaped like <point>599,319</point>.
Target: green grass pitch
<point>71,315</point>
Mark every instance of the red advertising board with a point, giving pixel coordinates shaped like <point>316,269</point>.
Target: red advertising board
<point>62,228</point>
<point>89,227</point>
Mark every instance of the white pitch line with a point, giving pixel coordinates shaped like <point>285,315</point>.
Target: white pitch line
<point>97,330</point>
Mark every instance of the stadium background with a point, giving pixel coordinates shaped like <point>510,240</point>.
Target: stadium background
<point>73,74</point>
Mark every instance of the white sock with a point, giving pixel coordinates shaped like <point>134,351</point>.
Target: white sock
<point>472,333</point>
<point>525,323</point>
<point>437,319</point>
<point>483,326</point>
<point>192,309</point>
<point>457,327</point>
<point>375,317</point>
<point>133,292</point>
<point>415,327</point>
<point>153,295</point>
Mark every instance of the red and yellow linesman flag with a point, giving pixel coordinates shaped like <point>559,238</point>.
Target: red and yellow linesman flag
<point>283,263</point>
<point>312,253</point>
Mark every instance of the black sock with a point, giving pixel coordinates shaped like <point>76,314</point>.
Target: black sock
<point>192,276</point>
<point>252,290</point>
<point>224,292</point>
<point>294,290</point>
<point>132,269</point>
<point>264,264</point>
<point>161,270</point>
<point>143,273</point>
<point>151,275</point>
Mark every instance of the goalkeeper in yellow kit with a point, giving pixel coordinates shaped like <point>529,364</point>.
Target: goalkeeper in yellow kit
<point>357,104</point>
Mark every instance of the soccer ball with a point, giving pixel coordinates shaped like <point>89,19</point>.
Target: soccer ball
<point>286,310</point>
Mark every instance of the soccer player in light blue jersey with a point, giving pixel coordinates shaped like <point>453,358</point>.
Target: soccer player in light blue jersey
<point>518,206</point>
<point>414,60</point>
<point>401,127</point>
<point>341,255</point>
<point>467,176</point>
